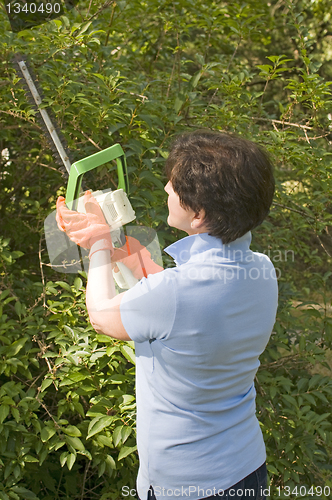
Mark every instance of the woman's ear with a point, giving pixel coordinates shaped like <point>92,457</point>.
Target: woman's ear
<point>197,222</point>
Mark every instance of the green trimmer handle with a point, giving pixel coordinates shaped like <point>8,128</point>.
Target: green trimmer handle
<point>79,168</point>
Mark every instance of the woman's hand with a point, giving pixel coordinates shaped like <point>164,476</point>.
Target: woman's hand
<point>136,257</point>
<point>83,229</point>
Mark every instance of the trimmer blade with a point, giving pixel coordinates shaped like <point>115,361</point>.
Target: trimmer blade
<point>45,118</point>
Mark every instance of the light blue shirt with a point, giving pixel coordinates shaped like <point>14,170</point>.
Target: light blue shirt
<point>199,329</point>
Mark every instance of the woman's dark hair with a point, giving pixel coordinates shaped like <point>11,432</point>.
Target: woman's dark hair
<point>230,178</point>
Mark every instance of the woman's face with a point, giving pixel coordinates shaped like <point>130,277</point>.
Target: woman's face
<point>178,217</point>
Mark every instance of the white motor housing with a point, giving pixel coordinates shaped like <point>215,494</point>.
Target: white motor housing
<point>117,211</point>
<point>115,205</point>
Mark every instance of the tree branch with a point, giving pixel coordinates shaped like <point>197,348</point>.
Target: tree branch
<point>304,127</point>
<point>20,117</point>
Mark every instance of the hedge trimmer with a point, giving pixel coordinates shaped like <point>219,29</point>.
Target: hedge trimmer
<point>114,204</point>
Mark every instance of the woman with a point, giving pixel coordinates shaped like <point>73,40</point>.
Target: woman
<point>200,327</point>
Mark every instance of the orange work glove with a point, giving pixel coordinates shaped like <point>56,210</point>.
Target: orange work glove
<point>136,257</point>
<point>85,229</point>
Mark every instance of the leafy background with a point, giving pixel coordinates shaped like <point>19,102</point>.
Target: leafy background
<point>138,73</point>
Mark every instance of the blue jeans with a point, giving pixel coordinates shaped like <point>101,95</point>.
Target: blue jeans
<point>251,487</point>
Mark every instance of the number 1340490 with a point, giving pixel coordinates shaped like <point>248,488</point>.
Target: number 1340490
<point>32,8</point>
<point>302,491</point>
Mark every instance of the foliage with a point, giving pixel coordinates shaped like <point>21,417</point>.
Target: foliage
<point>139,73</point>
<point>66,397</point>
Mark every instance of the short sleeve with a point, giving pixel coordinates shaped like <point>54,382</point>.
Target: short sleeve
<point>148,309</point>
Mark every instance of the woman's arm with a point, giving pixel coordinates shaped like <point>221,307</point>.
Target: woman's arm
<point>90,230</point>
<point>101,300</point>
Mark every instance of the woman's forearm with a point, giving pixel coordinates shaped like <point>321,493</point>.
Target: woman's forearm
<point>103,303</point>
<point>100,287</point>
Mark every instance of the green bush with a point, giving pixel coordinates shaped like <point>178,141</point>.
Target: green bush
<point>139,73</point>
<point>66,397</point>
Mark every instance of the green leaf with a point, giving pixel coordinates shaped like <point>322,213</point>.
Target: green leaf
<point>45,384</point>
<point>290,399</point>
<point>59,445</point>
<point>78,283</point>
<point>18,308</point>
<point>16,347</point>
<point>78,376</point>
<point>16,414</point>
<point>128,353</point>
<point>72,430</point>
<point>4,294</point>
<point>4,411</point>
<point>111,349</point>
<point>179,101</point>
<point>125,433</point>
<point>125,451</point>
<point>24,492</point>
<point>117,378</point>
<point>30,458</point>
<point>116,436</point>
<point>310,398</point>
<point>85,28</point>
<point>75,442</point>
<point>98,424</point>
<point>105,441</point>
<point>64,285</point>
<point>69,331</point>
<point>71,460</point>
<point>313,381</point>
<point>195,79</point>
<point>17,253</point>
<point>63,458</point>
<point>111,462</point>
<point>322,417</point>
<point>272,469</point>
<point>46,433</point>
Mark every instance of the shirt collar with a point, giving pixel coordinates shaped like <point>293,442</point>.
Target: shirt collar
<point>193,247</point>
